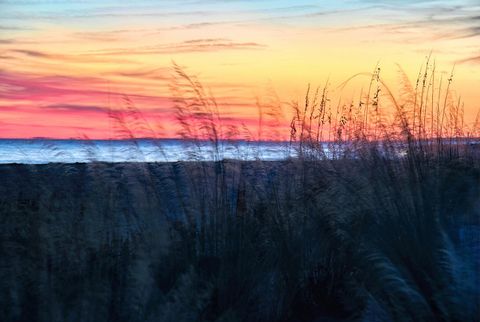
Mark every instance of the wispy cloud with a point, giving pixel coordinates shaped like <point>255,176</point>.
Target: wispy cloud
<point>7,41</point>
<point>101,36</point>
<point>13,28</point>
<point>417,29</point>
<point>162,74</point>
<point>90,59</point>
<point>49,90</point>
<point>77,108</point>
<point>82,108</point>
<point>470,60</point>
<point>194,45</point>
<point>33,53</point>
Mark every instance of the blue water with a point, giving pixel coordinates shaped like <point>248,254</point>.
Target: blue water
<point>41,151</point>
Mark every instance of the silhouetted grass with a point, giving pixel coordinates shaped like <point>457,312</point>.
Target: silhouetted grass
<point>376,219</point>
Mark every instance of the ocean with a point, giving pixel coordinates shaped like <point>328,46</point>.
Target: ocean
<point>41,151</point>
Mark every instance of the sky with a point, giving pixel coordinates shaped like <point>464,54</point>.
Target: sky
<point>65,64</point>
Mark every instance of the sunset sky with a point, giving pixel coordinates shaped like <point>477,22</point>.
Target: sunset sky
<point>64,64</point>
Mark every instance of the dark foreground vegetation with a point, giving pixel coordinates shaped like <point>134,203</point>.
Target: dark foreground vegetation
<point>384,225</point>
<point>369,240</point>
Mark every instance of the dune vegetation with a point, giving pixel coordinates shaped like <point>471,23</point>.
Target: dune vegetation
<point>375,218</point>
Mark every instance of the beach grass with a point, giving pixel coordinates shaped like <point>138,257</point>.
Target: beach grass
<point>375,219</point>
